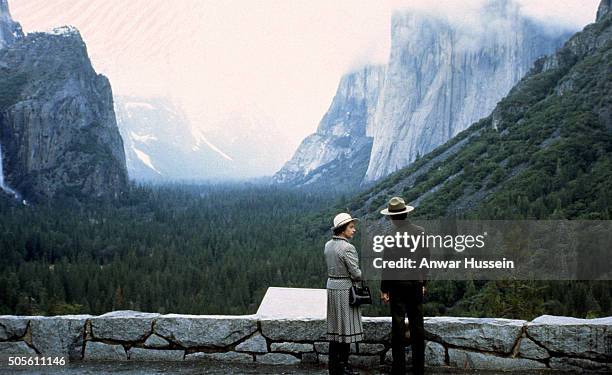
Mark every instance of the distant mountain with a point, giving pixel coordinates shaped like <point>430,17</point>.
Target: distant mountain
<point>338,153</point>
<point>257,145</point>
<point>58,131</point>
<point>161,145</point>
<point>441,76</point>
<point>544,152</point>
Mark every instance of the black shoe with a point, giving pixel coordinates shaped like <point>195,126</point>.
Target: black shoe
<point>335,368</point>
<point>347,369</point>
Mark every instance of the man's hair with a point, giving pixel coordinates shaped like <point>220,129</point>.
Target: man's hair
<point>341,228</point>
<point>402,216</point>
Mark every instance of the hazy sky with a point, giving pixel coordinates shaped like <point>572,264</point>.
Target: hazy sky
<point>274,60</point>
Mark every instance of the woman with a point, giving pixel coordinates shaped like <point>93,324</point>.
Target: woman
<point>343,320</point>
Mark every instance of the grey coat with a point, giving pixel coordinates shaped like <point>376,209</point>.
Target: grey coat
<point>342,262</point>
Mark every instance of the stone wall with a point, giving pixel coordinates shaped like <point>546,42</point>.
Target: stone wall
<point>502,344</point>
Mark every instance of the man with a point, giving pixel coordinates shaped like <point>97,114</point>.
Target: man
<point>403,289</point>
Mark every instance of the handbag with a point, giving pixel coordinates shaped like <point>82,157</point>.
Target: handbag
<point>360,295</point>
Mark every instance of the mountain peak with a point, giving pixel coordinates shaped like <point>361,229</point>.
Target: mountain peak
<point>604,9</point>
<point>65,30</point>
<point>9,29</point>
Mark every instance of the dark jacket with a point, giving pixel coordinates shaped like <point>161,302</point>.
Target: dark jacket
<point>394,279</point>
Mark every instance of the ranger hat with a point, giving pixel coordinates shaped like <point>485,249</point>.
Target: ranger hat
<point>396,206</point>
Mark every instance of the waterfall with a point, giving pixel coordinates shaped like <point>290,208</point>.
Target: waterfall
<point>4,186</point>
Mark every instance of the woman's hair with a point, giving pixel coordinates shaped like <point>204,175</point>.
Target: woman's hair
<point>341,229</point>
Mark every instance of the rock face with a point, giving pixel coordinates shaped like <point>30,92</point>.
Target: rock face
<point>530,349</point>
<point>588,338</point>
<point>59,336</point>
<point>293,330</point>
<point>57,125</point>
<point>255,344</point>
<point>277,359</point>
<point>473,360</point>
<point>12,327</point>
<point>579,365</point>
<point>499,335</point>
<point>9,29</point>
<point>441,78</point>
<point>223,357</point>
<point>292,347</point>
<point>140,354</point>
<point>604,8</point>
<point>434,354</point>
<point>193,331</point>
<point>155,341</point>
<point>98,351</point>
<point>338,152</point>
<point>124,325</point>
<point>18,348</point>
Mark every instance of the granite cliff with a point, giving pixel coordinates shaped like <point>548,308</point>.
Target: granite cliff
<point>338,152</point>
<point>9,29</point>
<point>545,151</point>
<point>442,75</point>
<point>57,124</point>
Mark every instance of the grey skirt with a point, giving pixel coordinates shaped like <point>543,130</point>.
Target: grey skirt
<point>343,320</point>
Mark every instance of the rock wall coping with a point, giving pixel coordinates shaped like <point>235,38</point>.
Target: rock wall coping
<point>555,342</point>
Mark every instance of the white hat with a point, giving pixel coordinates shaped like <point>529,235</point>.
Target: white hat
<point>341,219</point>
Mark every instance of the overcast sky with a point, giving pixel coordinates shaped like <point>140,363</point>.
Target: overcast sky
<point>278,60</point>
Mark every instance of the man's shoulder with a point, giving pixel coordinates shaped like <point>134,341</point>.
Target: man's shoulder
<point>417,228</point>
<point>408,227</point>
<point>387,227</point>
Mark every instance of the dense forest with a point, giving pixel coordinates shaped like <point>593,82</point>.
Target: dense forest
<point>213,249</point>
<point>187,249</point>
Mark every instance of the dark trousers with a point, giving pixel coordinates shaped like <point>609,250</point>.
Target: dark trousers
<point>407,300</point>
